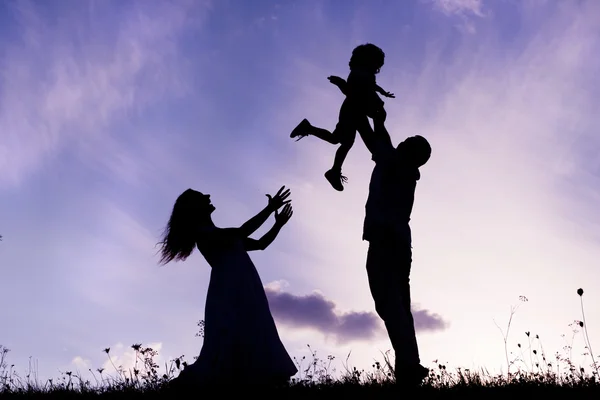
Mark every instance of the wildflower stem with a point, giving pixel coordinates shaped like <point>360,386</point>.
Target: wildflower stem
<point>587,338</point>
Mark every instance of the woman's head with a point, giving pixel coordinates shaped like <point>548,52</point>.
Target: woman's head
<point>191,209</point>
<point>368,57</point>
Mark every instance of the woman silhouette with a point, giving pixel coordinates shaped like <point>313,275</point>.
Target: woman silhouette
<point>241,343</point>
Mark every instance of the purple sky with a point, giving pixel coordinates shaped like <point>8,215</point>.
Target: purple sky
<point>110,109</point>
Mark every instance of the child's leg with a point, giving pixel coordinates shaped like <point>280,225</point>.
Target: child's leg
<point>334,175</point>
<point>345,131</point>
<point>347,141</point>
<point>304,128</point>
<point>346,115</point>
<point>324,134</point>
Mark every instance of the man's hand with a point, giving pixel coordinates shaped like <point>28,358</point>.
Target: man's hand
<point>389,94</point>
<point>281,218</point>
<point>279,200</point>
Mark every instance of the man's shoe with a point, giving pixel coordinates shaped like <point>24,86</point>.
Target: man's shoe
<point>411,376</point>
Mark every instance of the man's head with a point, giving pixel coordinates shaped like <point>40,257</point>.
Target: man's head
<point>415,150</point>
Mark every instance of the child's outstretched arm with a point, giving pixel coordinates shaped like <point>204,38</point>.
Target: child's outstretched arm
<point>343,86</point>
<point>339,82</point>
<point>383,92</point>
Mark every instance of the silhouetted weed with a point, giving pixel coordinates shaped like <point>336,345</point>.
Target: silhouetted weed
<point>530,372</point>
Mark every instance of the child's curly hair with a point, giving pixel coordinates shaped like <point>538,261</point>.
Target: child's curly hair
<point>367,56</point>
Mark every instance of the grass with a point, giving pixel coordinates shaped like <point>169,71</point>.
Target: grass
<point>530,372</point>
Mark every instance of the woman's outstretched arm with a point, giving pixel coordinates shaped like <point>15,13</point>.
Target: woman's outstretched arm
<point>280,220</point>
<point>250,226</point>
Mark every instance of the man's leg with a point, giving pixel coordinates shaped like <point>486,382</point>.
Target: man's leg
<point>402,279</point>
<point>388,269</point>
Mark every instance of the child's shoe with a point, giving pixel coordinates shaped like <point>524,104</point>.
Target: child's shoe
<point>336,179</point>
<point>301,130</point>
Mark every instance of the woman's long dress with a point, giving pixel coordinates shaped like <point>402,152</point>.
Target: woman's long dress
<point>241,342</point>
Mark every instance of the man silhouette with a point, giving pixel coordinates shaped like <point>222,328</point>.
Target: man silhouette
<point>386,228</point>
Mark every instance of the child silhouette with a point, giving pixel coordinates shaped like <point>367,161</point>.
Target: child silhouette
<point>361,102</point>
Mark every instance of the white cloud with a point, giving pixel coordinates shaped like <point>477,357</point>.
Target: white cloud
<point>460,7</point>
<point>277,285</point>
<point>81,363</point>
<point>464,10</point>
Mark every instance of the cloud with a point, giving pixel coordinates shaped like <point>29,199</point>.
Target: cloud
<point>317,312</point>
<point>463,9</point>
<point>425,320</point>
<point>459,7</point>
<point>81,363</point>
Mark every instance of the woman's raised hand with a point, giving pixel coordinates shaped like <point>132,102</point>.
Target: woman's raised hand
<point>281,218</point>
<point>279,199</point>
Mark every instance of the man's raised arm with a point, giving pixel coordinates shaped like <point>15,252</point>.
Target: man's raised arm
<point>379,143</point>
